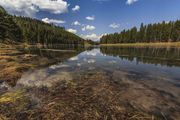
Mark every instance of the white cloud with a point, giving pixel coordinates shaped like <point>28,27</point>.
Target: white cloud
<point>72,30</point>
<point>114,25</point>
<point>92,36</point>
<point>79,64</point>
<point>74,58</point>
<point>88,27</point>
<point>90,18</point>
<point>112,62</point>
<point>58,66</point>
<point>55,21</point>
<point>92,53</point>
<point>91,61</point>
<point>31,7</point>
<point>129,2</point>
<point>76,23</point>
<point>76,8</point>
<point>167,22</point>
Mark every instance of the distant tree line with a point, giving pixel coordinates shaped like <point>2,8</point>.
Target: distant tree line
<point>92,42</point>
<point>158,32</point>
<point>32,31</point>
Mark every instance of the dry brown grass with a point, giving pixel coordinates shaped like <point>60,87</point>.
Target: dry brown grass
<point>13,63</point>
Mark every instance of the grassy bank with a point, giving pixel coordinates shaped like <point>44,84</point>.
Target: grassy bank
<point>13,63</point>
<point>173,44</point>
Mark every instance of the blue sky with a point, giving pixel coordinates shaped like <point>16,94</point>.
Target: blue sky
<point>93,18</point>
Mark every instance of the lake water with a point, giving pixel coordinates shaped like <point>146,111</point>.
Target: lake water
<point>106,80</point>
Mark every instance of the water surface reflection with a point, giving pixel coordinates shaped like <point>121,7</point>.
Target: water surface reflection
<point>168,56</point>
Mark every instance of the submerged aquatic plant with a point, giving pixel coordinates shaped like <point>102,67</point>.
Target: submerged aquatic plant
<point>11,97</point>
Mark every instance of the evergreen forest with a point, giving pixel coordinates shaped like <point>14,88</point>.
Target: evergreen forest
<point>157,32</point>
<point>32,31</point>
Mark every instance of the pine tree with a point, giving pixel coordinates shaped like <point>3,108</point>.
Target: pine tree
<point>158,32</point>
<point>176,31</point>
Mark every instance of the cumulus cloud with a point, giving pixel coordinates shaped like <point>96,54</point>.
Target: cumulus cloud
<point>55,21</point>
<point>129,2</point>
<point>79,64</point>
<point>114,25</point>
<point>43,78</point>
<point>112,62</point>
<point>76,23</point>
<point>91,61</point>
<point>92,36</point>
<point>72,30</point>
<point>58,66</point>
<point>74,58</point>
<point>92,53</point>
<point>76,8</point>
<point>31,7</point>
<point>88,27</point>
<point>91,18</point>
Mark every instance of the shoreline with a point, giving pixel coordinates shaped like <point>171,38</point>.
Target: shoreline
<point>14,62</point>
<point>164,44</point>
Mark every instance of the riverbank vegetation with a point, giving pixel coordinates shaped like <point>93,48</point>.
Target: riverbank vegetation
<point>151,33</point>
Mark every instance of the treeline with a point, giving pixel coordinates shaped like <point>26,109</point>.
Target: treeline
<point>92,42</point>
<point>32,31</point>
<point>158,32</point>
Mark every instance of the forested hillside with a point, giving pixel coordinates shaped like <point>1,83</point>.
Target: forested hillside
<point>158,32</point>
<point>8,28</point>
<point>32,31</point>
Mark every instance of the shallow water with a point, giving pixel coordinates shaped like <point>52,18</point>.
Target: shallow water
<point>148,79</point>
